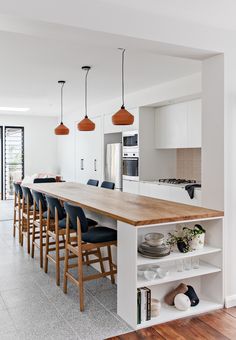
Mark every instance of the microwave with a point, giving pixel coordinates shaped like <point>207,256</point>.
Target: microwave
<point>130,139</point>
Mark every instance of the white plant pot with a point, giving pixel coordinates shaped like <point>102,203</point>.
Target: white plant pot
<point>197,242</point>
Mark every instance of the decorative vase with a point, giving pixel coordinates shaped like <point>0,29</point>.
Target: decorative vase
<point>197,242</point>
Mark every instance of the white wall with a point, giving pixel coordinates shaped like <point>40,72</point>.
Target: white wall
<point>40,142</point>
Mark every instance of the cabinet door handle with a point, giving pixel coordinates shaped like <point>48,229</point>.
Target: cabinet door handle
<point>82,164</point>
<point>95,165</point>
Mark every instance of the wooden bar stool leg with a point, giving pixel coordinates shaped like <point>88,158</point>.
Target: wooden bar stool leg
<point>66,254</point>
<point>57,249</point>
<point>47,242</point>
<point>33,231</point>
<point>101,261</point>
<point>19,217</point>
<point>28,226</point>
<point>14,217</point>
<point>110,264</point>
<point>80,267</point>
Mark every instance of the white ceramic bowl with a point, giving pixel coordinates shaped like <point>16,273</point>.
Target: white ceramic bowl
<point>154,239</point>
<point>150,275</point>
<point>161,272</point>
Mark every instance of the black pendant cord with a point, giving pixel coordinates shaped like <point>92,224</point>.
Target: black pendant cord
<point>62,85</point>
<point>86,93</point>
<point>123,81</point>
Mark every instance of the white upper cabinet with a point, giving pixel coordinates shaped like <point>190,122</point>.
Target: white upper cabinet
<point>179,125</point>
<point>110,128</point>
<point>194,122</point>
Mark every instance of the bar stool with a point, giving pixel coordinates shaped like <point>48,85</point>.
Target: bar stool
<point>108,185</point>
<point>56,230</point>
<point>39,224</point>
<point>17,209</point>
<point>27,216</point>
<point>93,182</point>
<point>87,240</point>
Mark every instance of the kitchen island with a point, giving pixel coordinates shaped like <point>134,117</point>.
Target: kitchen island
<point>136,215</point>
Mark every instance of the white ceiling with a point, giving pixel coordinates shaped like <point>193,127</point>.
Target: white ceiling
<point>35,55</point>
<point>31,66</point>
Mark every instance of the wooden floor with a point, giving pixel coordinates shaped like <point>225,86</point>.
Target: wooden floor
<point>216,325</point>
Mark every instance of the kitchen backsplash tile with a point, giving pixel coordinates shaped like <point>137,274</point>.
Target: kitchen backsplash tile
<point>188,164</point>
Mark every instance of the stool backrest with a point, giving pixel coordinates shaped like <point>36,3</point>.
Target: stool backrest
<point>45,180</point>
<point>18,189</point>
<point>39,197</point>
<point>93,182</point>
<point>27,195</point>
<point>108,185</point>
<point>75,212</point>
<point>55,203</point>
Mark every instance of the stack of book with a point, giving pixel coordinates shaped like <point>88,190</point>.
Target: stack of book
<point>143,304</point>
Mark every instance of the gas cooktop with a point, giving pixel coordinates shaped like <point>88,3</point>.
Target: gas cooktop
<point>176,181</point>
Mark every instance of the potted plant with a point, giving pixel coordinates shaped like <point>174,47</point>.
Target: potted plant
<point>179,240</point>
<point>196,236</point>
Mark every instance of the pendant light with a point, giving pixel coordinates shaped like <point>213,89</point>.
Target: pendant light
<point>122,117</point>
<point>61,129</point>
<point>86,124</point>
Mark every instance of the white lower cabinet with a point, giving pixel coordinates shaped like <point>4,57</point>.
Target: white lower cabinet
<point>131,186</point>
<point>170,193</point>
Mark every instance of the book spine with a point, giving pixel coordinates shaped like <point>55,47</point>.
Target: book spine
<point>138,306</point>
<point>148,304</point>
<point>143,304</point>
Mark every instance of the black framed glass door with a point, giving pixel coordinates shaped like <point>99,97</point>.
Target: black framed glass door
<point>14,158</point>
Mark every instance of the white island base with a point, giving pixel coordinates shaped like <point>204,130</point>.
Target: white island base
<point>207,280</point>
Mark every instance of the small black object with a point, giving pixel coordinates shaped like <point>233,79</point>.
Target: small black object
<point>192,296</point>
<point>190,189</point>
<point>182,246</point>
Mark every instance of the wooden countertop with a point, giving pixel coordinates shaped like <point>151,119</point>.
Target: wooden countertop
<point>133,209</point>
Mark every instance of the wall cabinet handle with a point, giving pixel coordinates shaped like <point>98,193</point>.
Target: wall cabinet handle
<point>95,165</point>
<point>82,164</point>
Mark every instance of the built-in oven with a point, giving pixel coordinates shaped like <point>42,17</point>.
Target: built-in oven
<point>130,139</point>
<point>131,165</point>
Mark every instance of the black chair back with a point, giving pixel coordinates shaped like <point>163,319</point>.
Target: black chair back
<point>75,212</point>
<point>93,182</point>
<point>18,189</point>
<point>108,185</point>
<point>55,203</point>
<point>27,195</point>
<point>45,180</point>
<point>39,197</point>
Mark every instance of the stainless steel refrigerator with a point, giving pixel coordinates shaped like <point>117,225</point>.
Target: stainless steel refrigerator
<point>113,164</point>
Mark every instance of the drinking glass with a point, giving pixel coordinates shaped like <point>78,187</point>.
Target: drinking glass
<point>179,265</point>
<point>187,263</point>
<point>195,262</point>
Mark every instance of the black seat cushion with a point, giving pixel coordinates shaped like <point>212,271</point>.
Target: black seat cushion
<point>91,222</point>
<point>99,234</point>
<point>62,223</point>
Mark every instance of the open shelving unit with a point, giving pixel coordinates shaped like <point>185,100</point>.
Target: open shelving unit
<point>207,280</point>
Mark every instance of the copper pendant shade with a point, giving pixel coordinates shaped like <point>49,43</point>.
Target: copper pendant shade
<point>86,124</point>
<point>61,129</point>
<point>122,117</point>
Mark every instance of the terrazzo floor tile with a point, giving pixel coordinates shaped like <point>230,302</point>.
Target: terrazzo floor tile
<point>97,325</point>
<point>6,323</point>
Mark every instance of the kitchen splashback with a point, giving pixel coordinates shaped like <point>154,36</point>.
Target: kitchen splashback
<point>188,163</point>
